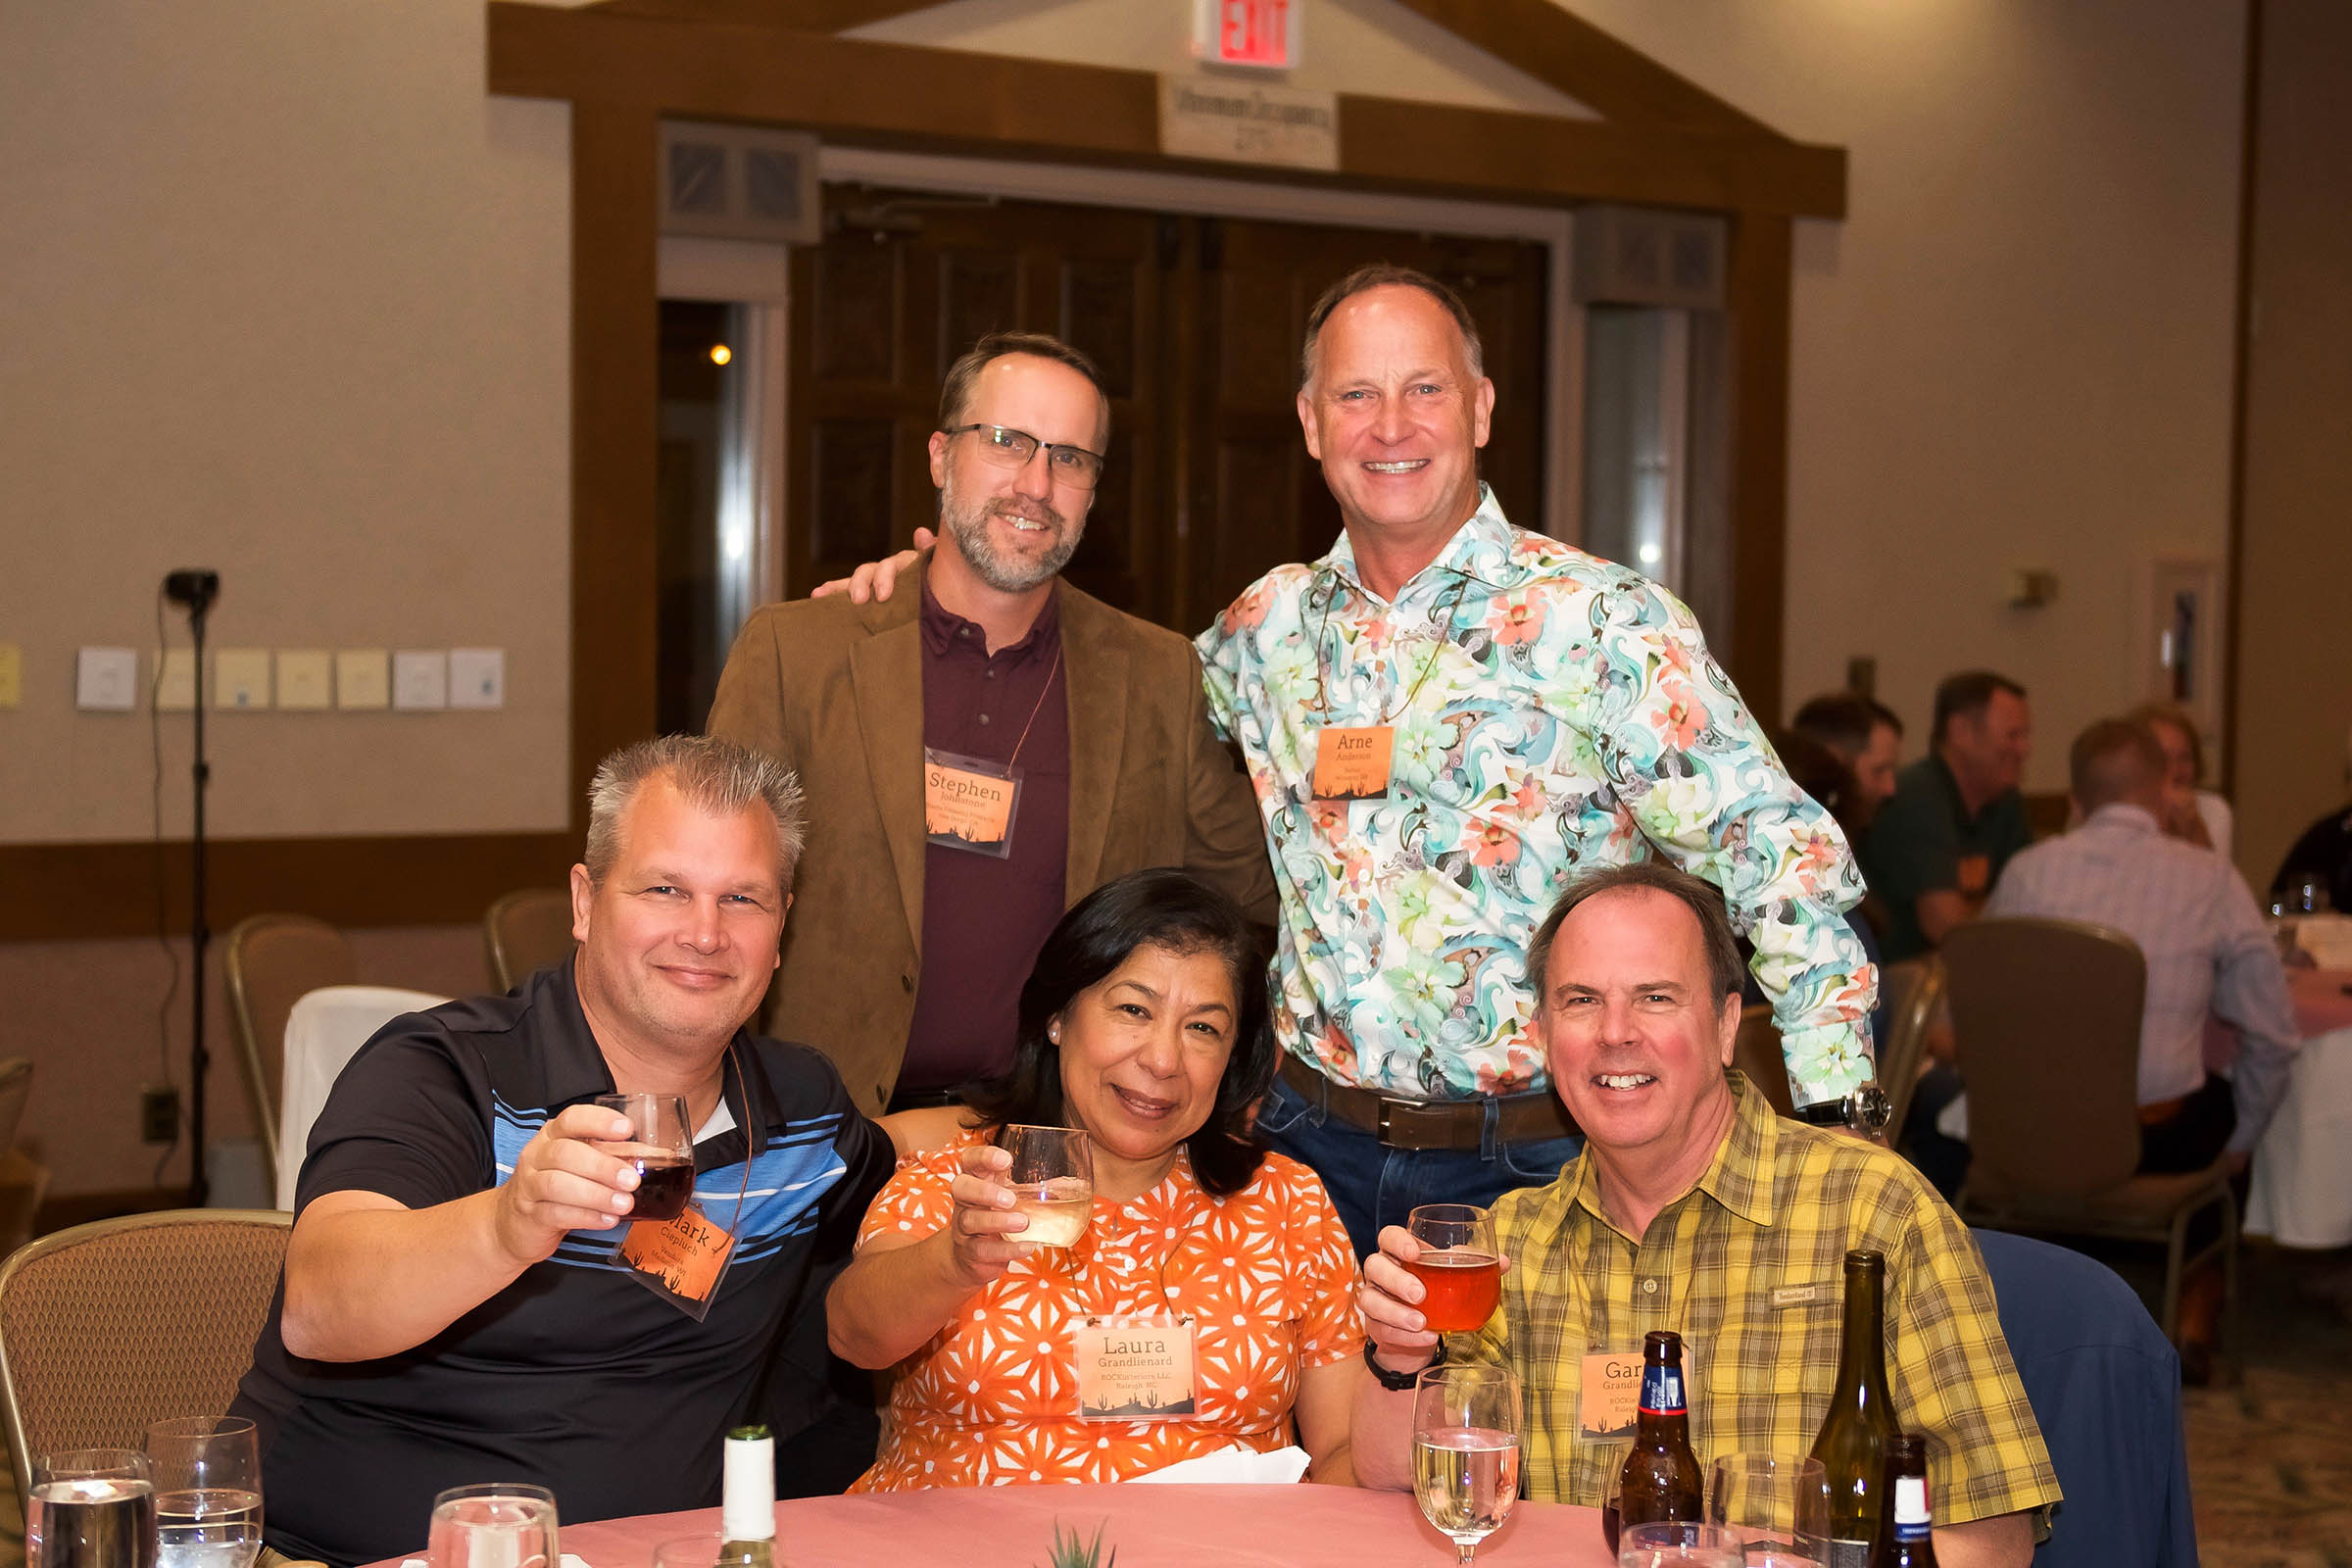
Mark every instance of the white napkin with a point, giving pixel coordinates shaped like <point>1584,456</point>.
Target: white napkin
<point>2327,938</point>
<point>1236,1465</point>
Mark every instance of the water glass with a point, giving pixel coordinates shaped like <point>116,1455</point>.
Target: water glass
<point>92,1508</point>
<point>1052,1182</point>
<point>1460,1268</point>
<point>498,1524</point>
<point>1678,1544</point>
<point>661,1146</point>
<point>1777,1506</point>
<point>1466,1451</point>
<point>208,1491</point>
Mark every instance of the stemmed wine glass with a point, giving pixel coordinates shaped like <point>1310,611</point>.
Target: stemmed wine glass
<point>661,1146</point>
<point>1052,1182</point>
<point>1777,1508</point>
<point>1459,1269</point>
<point>92,1508</point>
<point>1466,1451</point>
<point>208,1491</point>
<point>497,1524</point>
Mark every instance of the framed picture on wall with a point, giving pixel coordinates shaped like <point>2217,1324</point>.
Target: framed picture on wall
<point>2181,642</point>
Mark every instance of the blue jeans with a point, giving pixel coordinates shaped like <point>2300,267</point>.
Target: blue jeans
<point>1372,1185</point>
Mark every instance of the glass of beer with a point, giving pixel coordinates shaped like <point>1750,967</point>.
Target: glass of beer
<point>1777,1506</point>
<point>92,1508</point>
<point>661,1146</point>
<point>208,1491</point>
<point>1052,1182</point>
<point>1466,1451</point>
<point>498,1524</point>
<point>1460,1270</point>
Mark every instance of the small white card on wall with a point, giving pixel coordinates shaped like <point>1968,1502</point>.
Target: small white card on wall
<point>477,677</point>
<point>420,679</point>
<point>363,679</point>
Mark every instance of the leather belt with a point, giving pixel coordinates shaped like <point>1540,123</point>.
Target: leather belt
<point>1460,1124</point>
<point>2158,1112</point>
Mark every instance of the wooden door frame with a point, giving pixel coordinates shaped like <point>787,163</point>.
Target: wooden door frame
<point>623,64</point>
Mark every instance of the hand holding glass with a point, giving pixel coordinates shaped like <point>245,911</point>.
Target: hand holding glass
<point>1052,1182</point>
<point>1460,1270</point>
<point>1775,1506</point>
<point>1466,1451</point>
<point>92,1508</point>
<point>208,1491</point>
<point>500,1524</point>
<point>661,1146</point>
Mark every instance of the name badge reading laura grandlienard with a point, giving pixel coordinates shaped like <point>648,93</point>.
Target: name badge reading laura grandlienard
<point>1351,763</point>
<point>1134,1367</point>
<point>969,801</point>
<point>681,1261</point>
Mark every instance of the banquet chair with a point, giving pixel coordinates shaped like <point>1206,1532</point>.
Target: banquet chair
<point>1757,1051</point>
<point>526,931</point>
<point>2094,1365</point>
<point>325,1031</point>
<point>109,1327</point>
<point>2045,1019</point>
<point>22,1179</point>
<point>272,962</point>
<point>1913,990</point>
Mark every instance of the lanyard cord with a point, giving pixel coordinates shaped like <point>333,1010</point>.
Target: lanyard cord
<point>1036,710</point>
<point>1437,648</point>
<point>735,1220</point>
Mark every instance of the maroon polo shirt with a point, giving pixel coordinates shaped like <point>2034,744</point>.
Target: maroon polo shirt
<point>984,919</point>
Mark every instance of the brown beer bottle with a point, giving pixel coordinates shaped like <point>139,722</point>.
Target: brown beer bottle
<point>1661,1479</point>
<point>1853,1445</point>
<point>1909,1540</point>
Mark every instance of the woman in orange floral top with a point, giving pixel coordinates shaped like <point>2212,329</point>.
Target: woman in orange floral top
<point>1144,1024</point>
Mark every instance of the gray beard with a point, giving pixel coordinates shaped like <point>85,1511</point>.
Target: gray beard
<point>968,526</point>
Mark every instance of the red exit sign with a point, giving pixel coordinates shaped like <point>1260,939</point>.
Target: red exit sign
<point>1263,33</point>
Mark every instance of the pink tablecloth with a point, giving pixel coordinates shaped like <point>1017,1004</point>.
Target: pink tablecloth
<point>1151,1526</point>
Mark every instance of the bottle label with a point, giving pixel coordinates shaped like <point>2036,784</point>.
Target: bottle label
<point>1849,1555</point>
<point>1662,1391</point>
<point>1911,1508</point>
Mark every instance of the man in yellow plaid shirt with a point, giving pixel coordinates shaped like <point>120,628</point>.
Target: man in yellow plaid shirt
<point>1695,1208</point>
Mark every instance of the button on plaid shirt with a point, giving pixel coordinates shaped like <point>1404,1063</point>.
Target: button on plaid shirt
<point>1749,1267</point>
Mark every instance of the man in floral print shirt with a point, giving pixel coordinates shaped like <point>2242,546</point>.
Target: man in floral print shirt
<point>1544,714</point>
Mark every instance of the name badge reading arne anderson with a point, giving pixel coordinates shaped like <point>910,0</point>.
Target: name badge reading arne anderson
<point>968,803</point>
<point>1351,763</point>
<point>1137,1367</point>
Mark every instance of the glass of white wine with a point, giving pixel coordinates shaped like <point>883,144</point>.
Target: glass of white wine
<point>208,1491</point>
<point>1466,1451</point>
<point>1052,1182</point>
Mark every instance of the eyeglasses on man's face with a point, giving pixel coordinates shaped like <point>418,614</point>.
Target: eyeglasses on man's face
<point>1007,448</point>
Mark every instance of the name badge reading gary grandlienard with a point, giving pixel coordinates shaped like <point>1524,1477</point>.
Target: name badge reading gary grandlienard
<point>1135,1367</point>
<point>1351,763</point>
<point>968,803</point>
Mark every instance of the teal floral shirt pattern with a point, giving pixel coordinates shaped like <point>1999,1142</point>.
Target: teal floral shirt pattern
<point>1553,713</point>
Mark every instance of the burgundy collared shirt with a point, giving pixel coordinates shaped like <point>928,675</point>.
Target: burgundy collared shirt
<point>984,919</point>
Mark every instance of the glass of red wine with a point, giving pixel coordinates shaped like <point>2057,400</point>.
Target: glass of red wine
<point>1459,1269</point>
<point>92,1508</point>
<point>661,1146</point>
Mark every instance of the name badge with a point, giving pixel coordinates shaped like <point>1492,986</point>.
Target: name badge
<point>968,803</point>
<point>1134,1368</point>
<point>1784,1296</point>
<point>1608,1391</point>
<point>681,1261</point>
<point>1352,763</point>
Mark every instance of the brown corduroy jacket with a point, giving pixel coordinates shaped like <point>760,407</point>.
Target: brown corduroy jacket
<point>834,690</point>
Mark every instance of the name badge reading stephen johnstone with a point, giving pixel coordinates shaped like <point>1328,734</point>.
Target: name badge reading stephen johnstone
<point>1134,1368</point>
<point>968,803</point>
<point>1352,763</point>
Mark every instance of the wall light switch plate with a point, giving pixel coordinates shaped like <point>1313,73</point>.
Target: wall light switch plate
<point>363,678</point>
<point>106,680</point>
<point>305,678</point>
<point>12,675</point>
<point>421,678</point>
<point>477,677</point>
<point>241,679</point>
<point>176,687</point>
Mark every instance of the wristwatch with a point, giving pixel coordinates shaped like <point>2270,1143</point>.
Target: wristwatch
<point>1865,1110</point>
<point>1396,1382</point>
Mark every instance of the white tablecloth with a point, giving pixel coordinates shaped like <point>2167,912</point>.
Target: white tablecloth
<point>2302,1193</point>
<point>324,1032</point>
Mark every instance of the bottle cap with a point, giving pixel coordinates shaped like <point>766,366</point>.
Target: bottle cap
<point>748,1496</point>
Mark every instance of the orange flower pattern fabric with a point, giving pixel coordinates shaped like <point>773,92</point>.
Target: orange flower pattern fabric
<point>1267,1274</point>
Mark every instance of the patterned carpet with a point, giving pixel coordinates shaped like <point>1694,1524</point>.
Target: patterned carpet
<point>2270,1458</point>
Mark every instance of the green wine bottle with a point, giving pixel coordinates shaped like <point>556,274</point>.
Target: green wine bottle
<point>1853,1445</point>
<point>747,1513</point>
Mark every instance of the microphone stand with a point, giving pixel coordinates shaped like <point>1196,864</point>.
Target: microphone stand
<point>197,590</point>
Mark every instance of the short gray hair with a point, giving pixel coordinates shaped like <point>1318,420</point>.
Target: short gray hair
<point>716,776</point>
<point>1725,972</point>
<point>1388,274</point>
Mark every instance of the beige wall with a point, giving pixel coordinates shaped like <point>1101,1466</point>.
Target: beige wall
<point>287,296</point>
<point>2295,692</point>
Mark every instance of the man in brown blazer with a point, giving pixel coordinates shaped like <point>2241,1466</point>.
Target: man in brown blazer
<point>981,754</point>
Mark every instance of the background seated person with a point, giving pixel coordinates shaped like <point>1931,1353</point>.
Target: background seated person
<point>1694,1208</point>
<point>2189,812</point>
<point>2323,854</point>
<point>1868,739</point>
<point>1938,844</point>
<point>1143,1022</point>
<point>451,1310</point>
